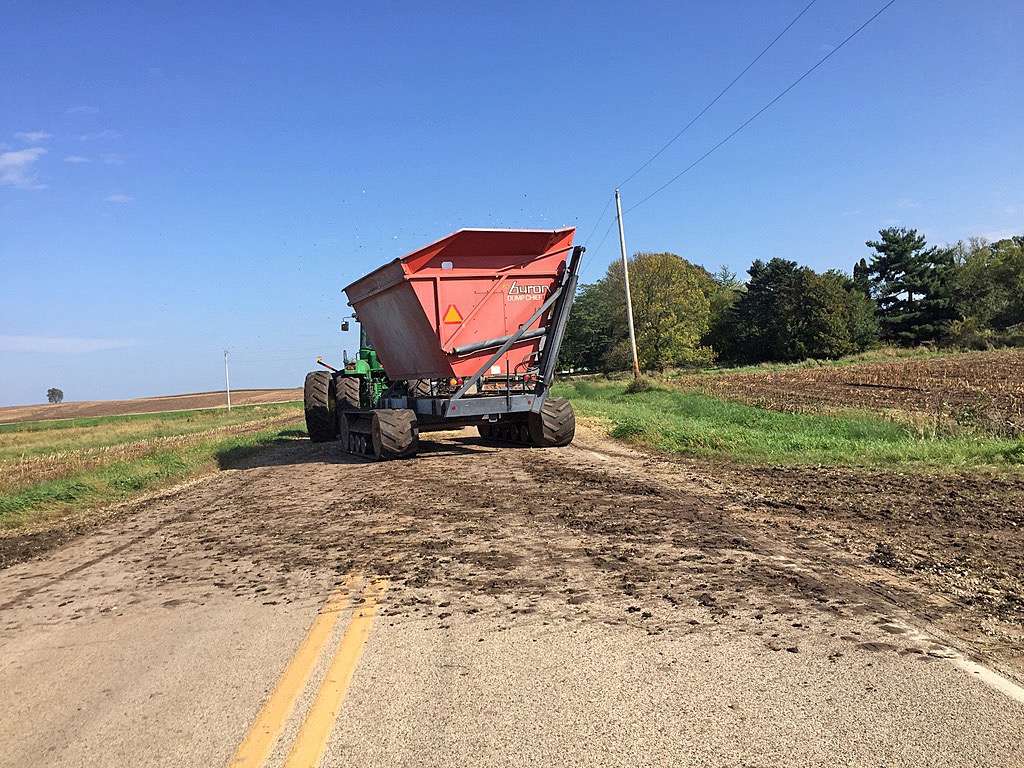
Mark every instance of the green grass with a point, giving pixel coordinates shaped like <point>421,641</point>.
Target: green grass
<point>879,355</point>
<point>39,438</point>
<point>88,463</point>
<point>698,425</point>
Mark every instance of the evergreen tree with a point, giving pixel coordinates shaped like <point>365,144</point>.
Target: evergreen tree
<point>790,313</point>
<point>727,291</point>
<point>909,281</point>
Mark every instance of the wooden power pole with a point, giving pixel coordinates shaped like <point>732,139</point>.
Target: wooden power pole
<point>629,300</point>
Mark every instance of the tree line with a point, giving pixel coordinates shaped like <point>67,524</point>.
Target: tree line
<point>904,293</point>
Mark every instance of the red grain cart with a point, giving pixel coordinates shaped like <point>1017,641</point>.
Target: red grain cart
<point>468,330</point>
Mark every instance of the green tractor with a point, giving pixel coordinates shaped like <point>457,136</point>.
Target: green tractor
<point>358,385</point>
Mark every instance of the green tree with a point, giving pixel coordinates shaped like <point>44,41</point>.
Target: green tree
<point>790,313</point>
<point>54,395</point>
<point>671,311</point>
<point>909,281</point>
<point>988,286</point>
<point>590,334</point>
<point>861,314</point>
<point>727,290</point>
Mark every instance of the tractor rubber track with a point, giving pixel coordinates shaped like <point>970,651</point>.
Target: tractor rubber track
<point>506,432</point>
<point>382,433</point>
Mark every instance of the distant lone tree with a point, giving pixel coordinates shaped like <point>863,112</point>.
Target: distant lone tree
<point>54,395</point>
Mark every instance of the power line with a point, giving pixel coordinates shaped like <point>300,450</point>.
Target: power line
<point>586,243</point>
<point>685,128</point>
<point>720,95</point>
<point>600,216</point>
<point>763,109</point>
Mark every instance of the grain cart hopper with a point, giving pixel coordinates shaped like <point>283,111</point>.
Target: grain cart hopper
<point>468,331</point>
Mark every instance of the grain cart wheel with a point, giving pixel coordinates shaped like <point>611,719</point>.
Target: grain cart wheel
<point>348,391</point>
<point>318,397</point>
<point>555,425</point>
<point>419,388</point>
<point>486,430</point>
<point>395,433</point>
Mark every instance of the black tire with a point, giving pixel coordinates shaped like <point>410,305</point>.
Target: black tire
<point>344,436</point>
<point>419,388</point>
<point>348,391</point>
<point>318,398</point>
<point>395,433</point>
<point>486,430</point>
<point>555,425</point>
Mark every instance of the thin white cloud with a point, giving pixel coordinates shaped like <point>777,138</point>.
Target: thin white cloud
<point>111,159</point>
<point>118,198</point>
<point>996,235</point>
<point>61,346</point>
<point>105,134</point>
<point>907,203</point>
<point>33,137</point>
<point>83,109</point>
<point>16,168</point>
<point>76,159</point>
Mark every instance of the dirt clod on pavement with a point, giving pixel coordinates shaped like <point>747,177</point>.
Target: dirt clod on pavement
<point>608,533</point>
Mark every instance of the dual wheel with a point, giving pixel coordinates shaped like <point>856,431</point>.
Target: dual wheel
<point>319,398</point>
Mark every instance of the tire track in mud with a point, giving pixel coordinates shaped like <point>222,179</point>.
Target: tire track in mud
<point>820,542</point>
<point>596,532</point>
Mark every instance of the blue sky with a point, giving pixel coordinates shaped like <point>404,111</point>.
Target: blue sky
<point>181,178</point>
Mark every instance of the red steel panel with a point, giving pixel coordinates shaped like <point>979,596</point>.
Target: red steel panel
<point>471,286</point>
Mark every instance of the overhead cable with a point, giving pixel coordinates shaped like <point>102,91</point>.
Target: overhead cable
<point>763,109</point>
<point>720,95</point>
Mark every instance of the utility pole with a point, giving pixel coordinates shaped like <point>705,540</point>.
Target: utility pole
<point>227,380</point>
<point>629,300</point>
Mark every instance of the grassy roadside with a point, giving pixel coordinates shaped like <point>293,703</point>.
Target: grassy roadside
<point>30,439</point>
<point>698,425</point>
<point>65,467</point>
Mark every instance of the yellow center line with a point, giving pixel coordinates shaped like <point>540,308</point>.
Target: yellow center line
<point>308,749</point>
<point>262,736</point>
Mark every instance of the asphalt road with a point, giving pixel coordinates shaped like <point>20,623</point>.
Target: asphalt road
<point>314,609</point>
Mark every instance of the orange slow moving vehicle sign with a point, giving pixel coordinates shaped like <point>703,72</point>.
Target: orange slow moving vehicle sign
<point>452,315</point>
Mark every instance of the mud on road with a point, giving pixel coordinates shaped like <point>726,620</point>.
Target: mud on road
<point>597,532</point>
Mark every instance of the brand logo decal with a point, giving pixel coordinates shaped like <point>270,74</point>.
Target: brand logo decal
<point>517,292</point>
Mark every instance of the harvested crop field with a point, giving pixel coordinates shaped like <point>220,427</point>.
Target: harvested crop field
<point>91,408</point>
<point>983,390</point>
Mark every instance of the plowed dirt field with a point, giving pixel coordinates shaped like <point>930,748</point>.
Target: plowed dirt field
<point>91,408</point>
<point>983,389</point>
